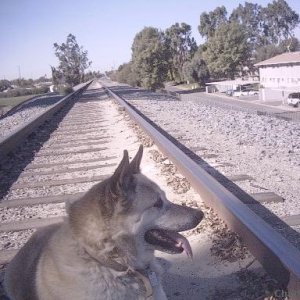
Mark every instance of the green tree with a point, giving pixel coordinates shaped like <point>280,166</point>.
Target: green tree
<point>250,17</point>
<point>92,75</point>
<point>290,45</point>
<point>268,31</point>
<point>227,51</point>
<point>41,79</point>
<point>149,58</point>
<point>196,70</point>
<point>57,76</point>
<point>22,82</point>
<point>4,85</point>
<point>73,61</point>
<point>279,21</point>
<point>125,74</point>
<point>266,25</point>
<point>268,51</point>
<point>180,48</point>
<point>209,22</point>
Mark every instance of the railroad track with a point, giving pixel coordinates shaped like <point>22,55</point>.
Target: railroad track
<point>13,160</point>
<point>261,233</point>
<point>54,159</point>
<point>81,146</point>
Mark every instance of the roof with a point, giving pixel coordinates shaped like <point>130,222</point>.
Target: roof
<point>281,59</point>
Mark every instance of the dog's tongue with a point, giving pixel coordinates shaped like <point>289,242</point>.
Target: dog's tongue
<point>184,243</point>
<point>168,241</point>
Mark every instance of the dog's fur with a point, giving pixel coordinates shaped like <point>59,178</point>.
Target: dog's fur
<point>100,251</point>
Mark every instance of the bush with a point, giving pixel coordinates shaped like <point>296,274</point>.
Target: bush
<point>63,89</point>
<point>24,92</point>
<point>43,89</point>
<point>4,85</point>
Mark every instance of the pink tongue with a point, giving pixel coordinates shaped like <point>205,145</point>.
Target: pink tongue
<point>184,243</point>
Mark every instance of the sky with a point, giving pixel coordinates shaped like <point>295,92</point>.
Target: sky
<point>106,29</point>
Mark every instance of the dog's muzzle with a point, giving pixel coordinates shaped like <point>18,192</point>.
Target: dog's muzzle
<point>171,241</point>
<point>168,241</point>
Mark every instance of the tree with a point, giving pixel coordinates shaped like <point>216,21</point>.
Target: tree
<point>148,58</point>
<point>73,61</point>
<point>92,75</point>
<point>279,21</point>
<point>125,74</point>
<point>41,79</point>
<point>23,83</point>
<point>250,17</point>
<point>267,30</point>
<point>290,45</point>
<point>209,22</point>
<point>180,47</point>
<point>57,76</point>
<point>227,51</point>
<point>196,70</point>
<point>266,25</point>
<point>4,85</point>
<point>268,51</point>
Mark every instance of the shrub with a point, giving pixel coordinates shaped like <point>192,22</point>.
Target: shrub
<point>24,92</point>
<point>63,89</point>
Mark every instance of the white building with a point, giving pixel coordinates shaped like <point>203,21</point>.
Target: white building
<point>279,76</point>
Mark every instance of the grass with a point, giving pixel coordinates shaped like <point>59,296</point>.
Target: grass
<point>13,101</point>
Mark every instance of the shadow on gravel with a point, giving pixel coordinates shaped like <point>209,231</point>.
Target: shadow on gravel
<point>289,233</point>
<point>12,167</point>
<point>93,94</point>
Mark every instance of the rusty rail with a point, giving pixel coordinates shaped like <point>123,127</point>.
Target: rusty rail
<point>277,255</point>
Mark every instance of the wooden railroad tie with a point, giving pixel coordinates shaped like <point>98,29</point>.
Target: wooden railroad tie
<point>72,162</point>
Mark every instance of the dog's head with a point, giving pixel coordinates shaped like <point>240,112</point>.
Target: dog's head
<point>130,212</point>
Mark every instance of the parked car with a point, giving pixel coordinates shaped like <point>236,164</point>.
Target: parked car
<point>252,92</point>
<point>229,92</point>
<point>249,92</point>
<point>293,99</point>
<point>238,93</point>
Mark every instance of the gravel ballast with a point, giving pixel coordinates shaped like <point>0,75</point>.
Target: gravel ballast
<point>265,148</point>
<point>236,142</point>
<point>211,275</point>
<point>26,112</point>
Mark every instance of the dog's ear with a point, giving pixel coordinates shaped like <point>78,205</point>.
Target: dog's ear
<point>134,166</point>
<point>122,177</point>
<point>119,177</point>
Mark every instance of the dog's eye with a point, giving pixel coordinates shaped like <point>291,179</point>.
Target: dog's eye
<point>159,203</point>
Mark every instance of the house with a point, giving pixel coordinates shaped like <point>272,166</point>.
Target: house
<point>279,76</point>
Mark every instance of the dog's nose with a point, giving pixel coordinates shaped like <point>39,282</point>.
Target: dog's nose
<point>198,215</point>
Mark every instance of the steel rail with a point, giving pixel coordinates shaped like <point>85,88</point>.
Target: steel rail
<point>277,255</point>
<point>10,142</point>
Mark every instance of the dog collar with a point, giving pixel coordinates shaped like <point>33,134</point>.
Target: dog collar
<point>149,279</point>
<point>147,276</point>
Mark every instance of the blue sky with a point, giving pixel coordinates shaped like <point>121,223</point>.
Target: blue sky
<point>28,28</point>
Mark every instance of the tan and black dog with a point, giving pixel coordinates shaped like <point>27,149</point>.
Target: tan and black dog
<point>105,247</point>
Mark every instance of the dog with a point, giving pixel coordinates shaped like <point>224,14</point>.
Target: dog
<point>105,248</point>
